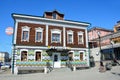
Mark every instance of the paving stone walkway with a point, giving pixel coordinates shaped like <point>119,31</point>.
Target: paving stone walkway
<point>62,74</point>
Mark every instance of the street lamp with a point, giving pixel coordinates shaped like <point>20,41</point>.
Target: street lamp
<point>13,59</point>
<point>98,33</point>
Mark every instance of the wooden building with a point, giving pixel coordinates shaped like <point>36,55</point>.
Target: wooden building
<point>50,38</point>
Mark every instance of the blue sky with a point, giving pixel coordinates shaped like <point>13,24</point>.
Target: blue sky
<point>102,13</point>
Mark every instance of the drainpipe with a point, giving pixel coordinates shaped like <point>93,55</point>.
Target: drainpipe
<point>13,58</point>
<point>88,43</point>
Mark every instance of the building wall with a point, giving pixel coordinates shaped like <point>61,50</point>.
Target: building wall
<point>4,57</point>
<point>116,29</point>
<point>50,27</point>
<point>47,47</point>
<point>93,34</point>
<point>31,35</point>
<point>75,44</point>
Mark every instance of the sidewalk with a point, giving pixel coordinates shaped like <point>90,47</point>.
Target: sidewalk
<point>85,74</point>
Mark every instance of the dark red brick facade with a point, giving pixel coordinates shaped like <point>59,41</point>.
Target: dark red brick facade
<point>50,27</point>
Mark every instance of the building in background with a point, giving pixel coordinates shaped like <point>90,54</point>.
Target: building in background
<point>49,39</point>
<point>96,44</point>
<point>93,35</point>
<point>107,42</point>
<point>4,57</point>
<point>116,41</point>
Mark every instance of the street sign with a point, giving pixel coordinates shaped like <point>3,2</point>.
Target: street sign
<point>9,30</point>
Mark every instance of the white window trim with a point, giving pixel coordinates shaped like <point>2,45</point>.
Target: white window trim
<point>35,54</point>
<point>81,33</point>
<point>25,28</point>
<point>20,54</point>
<point>70,32</point>
<point>55,31</point>
<point>39,29</point>
<point>73,54</point>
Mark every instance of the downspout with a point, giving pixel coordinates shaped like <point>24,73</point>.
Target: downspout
<point>88,44</point>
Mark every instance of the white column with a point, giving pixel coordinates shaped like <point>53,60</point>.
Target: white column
<point>46,35</point>
<point>86,32</point>
<point>64,37</point>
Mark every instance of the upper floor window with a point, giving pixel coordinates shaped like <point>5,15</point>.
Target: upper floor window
<point>70,36</point>
<point>54,15</point>
<point>80,38</point>
<point>25,33</point>
<point>81,56</point>
<point>39,35</point>
<point>56,36</point>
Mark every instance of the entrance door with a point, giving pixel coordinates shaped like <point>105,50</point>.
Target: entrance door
<point>56,60</point>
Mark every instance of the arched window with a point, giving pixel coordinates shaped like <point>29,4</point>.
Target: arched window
<point>37,56</point>
<point>24,56</point>
<point>81,56</point>
<point>70,56</point>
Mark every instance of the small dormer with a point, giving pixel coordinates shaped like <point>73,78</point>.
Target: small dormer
<point>54,15</point>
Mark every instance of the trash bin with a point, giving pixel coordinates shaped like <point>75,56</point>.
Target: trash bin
<point>108,66</point>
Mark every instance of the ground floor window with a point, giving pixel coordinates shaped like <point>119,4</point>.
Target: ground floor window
<point>70,56</point>
<point>38,56</point>
<point>24,56</point>
<point>81,56</point>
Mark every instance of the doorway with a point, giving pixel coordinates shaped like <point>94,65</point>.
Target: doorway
<point>56,60</point>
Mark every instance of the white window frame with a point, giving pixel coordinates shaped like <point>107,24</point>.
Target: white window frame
<point>81,33</point>
<point>25,28</point>
<point>70,32</point>
<point>55,31</point>
<point>39,29</point>
<point>35,54</point>
<point>21,55</point>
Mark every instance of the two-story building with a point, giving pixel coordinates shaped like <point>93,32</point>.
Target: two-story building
<point>49,38</point>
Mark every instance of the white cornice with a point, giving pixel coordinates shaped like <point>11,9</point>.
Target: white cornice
<point>18,16</point>
<point>44,48</point>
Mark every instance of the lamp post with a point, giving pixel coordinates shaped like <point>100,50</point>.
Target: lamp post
<point>88,44</point>
<point>13,58</point>
<point>99,45</point>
